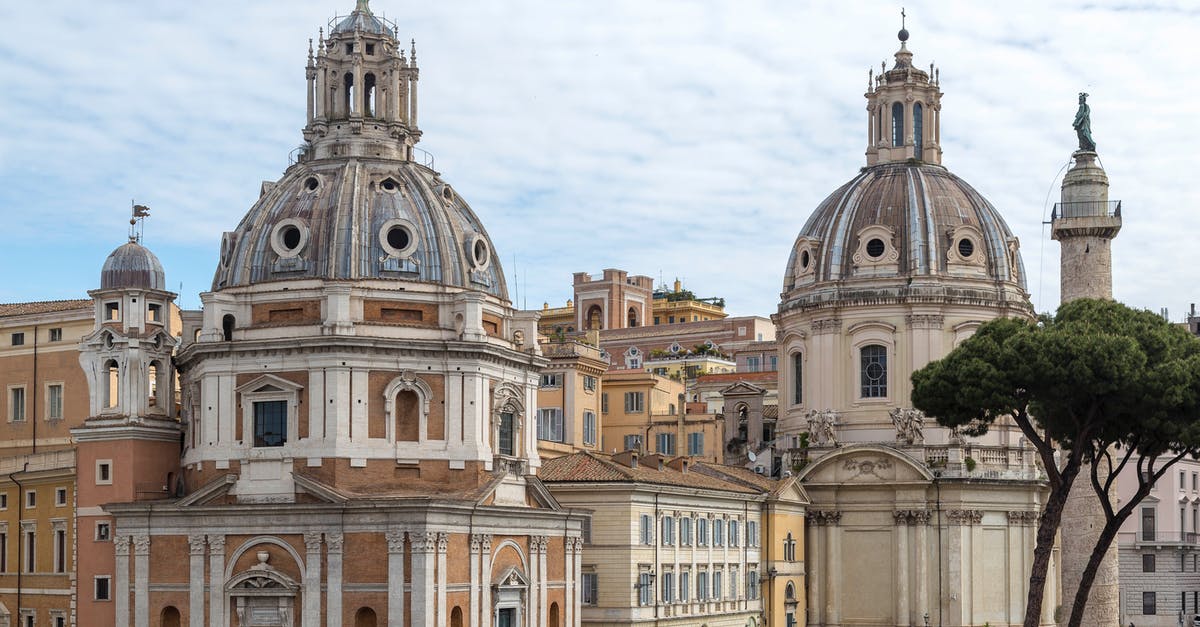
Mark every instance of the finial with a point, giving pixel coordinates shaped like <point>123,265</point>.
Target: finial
<point>870,78</point>
<point>361,5</point>
<point>413,54</point>
<point>882,68</point>
<point>139,213</point>
<point>310,49</point>
<point>937,77</point>
<point>903,34</point>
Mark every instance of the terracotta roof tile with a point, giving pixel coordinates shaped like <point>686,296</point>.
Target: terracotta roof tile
<point>587,467</point>
<point>42,307</point>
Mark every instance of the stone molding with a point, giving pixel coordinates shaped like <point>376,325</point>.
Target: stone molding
<point>395,540</point>
<point>925,321</point>
<point>443,541</point>
<point>823,517</point>
<point>196,544</point>
<point>312,543</point>
<point>1024,518</point>
<point>141,544</point>
<point>964,516</point>
<point>216,544</point>
<point>826,326</point>
<point>424,542</point>
<point>333,542</point>
<point>121,545</point>
<point>917,517</point>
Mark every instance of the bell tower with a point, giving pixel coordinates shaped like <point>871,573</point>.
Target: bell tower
<point>904,106</point>
<point>362,90</point>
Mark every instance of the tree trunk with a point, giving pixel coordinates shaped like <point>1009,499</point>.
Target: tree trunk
<point>1103,542</point>
<point>1047,528</point>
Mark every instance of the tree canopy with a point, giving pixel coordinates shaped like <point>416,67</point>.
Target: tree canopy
<point>1096,377</point>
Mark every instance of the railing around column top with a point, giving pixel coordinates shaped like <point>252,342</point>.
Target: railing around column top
<point>1087,209</point>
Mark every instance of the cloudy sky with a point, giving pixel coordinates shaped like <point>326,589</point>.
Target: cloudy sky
<point>684,139</point>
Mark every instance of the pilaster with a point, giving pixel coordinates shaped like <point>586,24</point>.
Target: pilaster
<point>141,580</point>
<point>121,579</point>
<point>196,546</point>
<point>333,579</point>
<point>395,547</point>
<point>310,615</point>
<point>443,541</point>
<point>216,581</point>
<point>423,546</point>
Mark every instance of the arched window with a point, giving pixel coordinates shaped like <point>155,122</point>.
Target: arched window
<point>112,392</point>
<point>633,317</point>
<point>918,126</point>
<point>743,422</point>
<point>506,441</point>
<point>897,124</point>
<point>873,371</point>
<point>456,619</point>
<point>227,324</point>
<point>365,617</point>
<point>368,92</point>
<point>594,318</point>
<point>790,592</point>
<point>348,96</point>
<point>554,615</point>
<point>797,378</point>
<point>152,380</point>
<point>169,617</point>
<point>408,416</point>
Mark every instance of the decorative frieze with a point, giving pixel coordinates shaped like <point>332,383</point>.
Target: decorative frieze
<point>1024,518</point>
<point>964,516</point>
<point>872,467</point>
<point>925,321</point>
<point>823,517</point>
<point>915,517</point>
<point>826,326</point>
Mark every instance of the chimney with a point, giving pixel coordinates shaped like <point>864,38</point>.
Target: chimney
<point>682,464</point>
<point>629,458</point>
<point>655,460</point>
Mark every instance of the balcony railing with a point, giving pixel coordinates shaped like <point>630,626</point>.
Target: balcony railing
<point>1087,209</point>
<point>1152,536</point>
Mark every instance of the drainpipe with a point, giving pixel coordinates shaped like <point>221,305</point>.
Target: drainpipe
<point>656,526</point>
<point>20,540</point>
<point>937,475</point>
<point>35,386</point>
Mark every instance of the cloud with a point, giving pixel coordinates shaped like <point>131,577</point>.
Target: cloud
<point>690,139</point>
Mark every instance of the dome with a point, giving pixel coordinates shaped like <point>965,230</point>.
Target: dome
<point>906,220</point>
<point>132,266</point>
<point>361,19</point>
<point>355,219</point>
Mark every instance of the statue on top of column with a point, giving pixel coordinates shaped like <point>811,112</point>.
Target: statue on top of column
<point>1083,124</point>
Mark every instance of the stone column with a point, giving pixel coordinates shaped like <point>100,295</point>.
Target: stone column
<point>577,603</point>
<point>921,530</point>
<point>333,579</point>
<point>141,580</point>
<point>121,579</point>
<point>216,581</point>
<point>958,558</point>
<point>814,558</point>
<point>421,609</point>
<point>485,580</point>
<point>322,111</point>
<point>1019,523</point>
<point>833,567</point>
<point>569,581</point>
<point>543,606</point>
<point>395,548</point>
<point>903,520</point>
<point>310,615</point>
<point>473,600</point>
<point>196,580</point>
<point>412,118</point>
<point>443,540</point>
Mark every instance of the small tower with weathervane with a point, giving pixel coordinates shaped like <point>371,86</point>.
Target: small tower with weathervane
<point>904,107</point>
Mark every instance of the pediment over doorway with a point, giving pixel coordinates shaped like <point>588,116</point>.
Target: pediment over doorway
<point>865,464</point>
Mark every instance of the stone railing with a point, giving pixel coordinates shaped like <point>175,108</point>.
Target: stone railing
<point>982,461</point>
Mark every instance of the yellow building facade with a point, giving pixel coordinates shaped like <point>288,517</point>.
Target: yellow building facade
<point>569,393</point>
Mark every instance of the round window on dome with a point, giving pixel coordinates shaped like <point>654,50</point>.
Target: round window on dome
<point>389,185</point>
<point>481,255</point>
<point>312,184</point>
<point>966,248</point>
<point>398,238</point>
<point>289,237</point>
<point>875,248</point>
<point>804,259</point>
<point>447,193</point>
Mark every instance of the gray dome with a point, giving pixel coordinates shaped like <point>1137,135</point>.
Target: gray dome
<point>361,19</point>
<point>343,219</point>
<point>132,266</point>
<point>928,213</point>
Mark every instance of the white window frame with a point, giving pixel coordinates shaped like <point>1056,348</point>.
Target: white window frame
<point>107,590</point>
<point>101,463</point>
<point>589,588</point>
<point>12,403</point>
<point>62,397</point>
<point>635,402</point>
<point>107,526</point>
<point>30,499</point>
<point>551,426</point>
<point>60,492</point>
<point>589,427</point>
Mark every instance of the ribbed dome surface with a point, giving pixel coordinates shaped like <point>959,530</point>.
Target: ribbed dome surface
<point>924,206</point>
<point>132,266</point>
<point>349,219</point>
<point>362,20</point>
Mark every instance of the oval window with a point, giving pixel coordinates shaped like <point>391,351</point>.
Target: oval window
<point>311,184</point>
<point>481,252</point>
<point>804,259</point>
<point>389,185</point>
<point>875,248</point>
<point>291,237</point>
<point>966,248</point>
<point>398,237</point>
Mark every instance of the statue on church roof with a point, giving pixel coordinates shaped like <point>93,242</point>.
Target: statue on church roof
<point>1083,124</point>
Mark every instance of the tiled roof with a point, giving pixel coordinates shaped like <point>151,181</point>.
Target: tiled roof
<point>738,473</point>
<point>595,468</point>
<point>749,377</point>
<point>42,307</point>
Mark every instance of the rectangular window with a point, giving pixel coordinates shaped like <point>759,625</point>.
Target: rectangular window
<point>507,435</point>
<point>718,532</point>
<point>550,424</point>
<point>590,588</point>
<point>797,378</point>
<point>701,532</point>
<point>112,312</point>
<point>16,404</point>
<point>685,585</point>
<point>1148,563</point>
<point>685,531</point>
<point>60,497</point>
<point>30,551</point>
<point>695,444</point>
<point>589,383</point>
<point>668,587</point>
<point>3,552</point>
<point>773,363</point>
<point>666,443</point>
<point>752,585</point>
<point>154,311</point>
<point>3,501</point>
<point>1149,603</point>
<point>633,442</point>
<point>30,499</point>
<point>56,334</point>
<point>1194,479</point>
<point>646,530</point>
<point>552,380</point>
<point>18,339</point>
<point>103,532</point>
<point>668,531</point>
<point>54,401</point>
<point>751,533</point>
<point>103,472</point>
<point>645,589</point>
<point>634,402</point>
<point>702,586</point>
<point>753,364</point>
<point>734,582</point>
<point>716,585</point>
<point>101,590</point>
<point>270,423</point>
<point>589,428</point>
<point>604,402</point>
<point>60,550</point>
<point>585,531</point>
<point>1148,523</point>
<point>873,371</point>
<point>735,529</point>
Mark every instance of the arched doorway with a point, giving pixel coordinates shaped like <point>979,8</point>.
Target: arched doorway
<point>365,617</point>
<point>554,615</point>
<point>263,596</point>
<point>456,617</point>
<point>633,317</point>
<point>594,319</point>
<point>169,617</point>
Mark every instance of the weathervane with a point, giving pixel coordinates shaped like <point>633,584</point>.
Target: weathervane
<point>136,221</point>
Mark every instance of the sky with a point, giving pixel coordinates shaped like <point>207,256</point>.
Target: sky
<point>677,139</point>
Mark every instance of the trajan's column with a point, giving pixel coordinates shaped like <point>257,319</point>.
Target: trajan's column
<point>1085,223</point>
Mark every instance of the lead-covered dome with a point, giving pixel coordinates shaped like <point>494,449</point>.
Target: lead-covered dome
<point>904,220</point>
<point>351,219</point>
<point>132,266</point>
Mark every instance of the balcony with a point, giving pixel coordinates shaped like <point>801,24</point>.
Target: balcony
<point>1151,537</point>
<point>1087,209</point>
